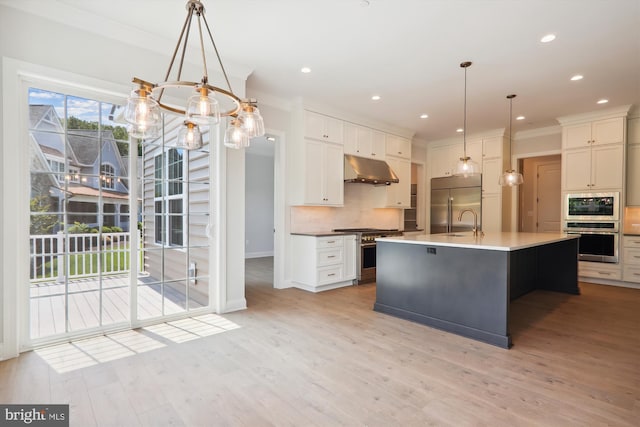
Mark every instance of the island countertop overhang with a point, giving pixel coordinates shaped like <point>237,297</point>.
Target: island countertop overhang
<point>505,241</point>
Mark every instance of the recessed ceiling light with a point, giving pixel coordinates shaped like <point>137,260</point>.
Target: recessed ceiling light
<point>305,70</point>
<point>459,130</point>
<point>548,38</point>
<point>577,77</point>
<point>603,101</point>
<point>375,97</point>
<point>424,116</point>
<point>520,118</point>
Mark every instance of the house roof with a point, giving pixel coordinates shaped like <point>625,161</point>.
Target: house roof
<point>37,112</point>
<point>85,144</point>
<point>82,190</point>
<point>51,151</point>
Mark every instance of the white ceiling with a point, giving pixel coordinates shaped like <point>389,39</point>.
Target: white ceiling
<point>407,51</point>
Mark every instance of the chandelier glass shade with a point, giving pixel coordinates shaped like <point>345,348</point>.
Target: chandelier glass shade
<point>205,106</point>
<point>465,166</point>
<point>510,177</point>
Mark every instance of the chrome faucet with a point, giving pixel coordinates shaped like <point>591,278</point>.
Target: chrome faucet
<point>475,221</point>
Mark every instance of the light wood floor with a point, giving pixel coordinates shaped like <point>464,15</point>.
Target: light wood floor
<point>302,359</point>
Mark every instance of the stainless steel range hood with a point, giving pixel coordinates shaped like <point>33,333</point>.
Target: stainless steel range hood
<point>368,171</point>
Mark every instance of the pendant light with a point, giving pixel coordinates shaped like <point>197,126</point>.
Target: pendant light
<point>465,166</point>
<point>510,177</point>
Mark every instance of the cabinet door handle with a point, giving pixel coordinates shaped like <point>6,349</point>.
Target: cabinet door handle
<point>331,241</point>
<point>331,256</point>
<point>602,273</point>
<point>331,274</point>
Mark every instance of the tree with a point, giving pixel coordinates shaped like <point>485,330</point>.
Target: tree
<point>42,222</point>
<point>120,133</point>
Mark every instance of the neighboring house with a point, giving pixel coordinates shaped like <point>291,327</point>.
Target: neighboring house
<point>83,168</point>
<point>175,195</point>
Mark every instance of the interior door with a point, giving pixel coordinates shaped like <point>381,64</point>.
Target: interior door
<point>548,196</point>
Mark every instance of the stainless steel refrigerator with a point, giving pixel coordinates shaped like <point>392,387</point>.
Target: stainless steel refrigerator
<point>449,196</point>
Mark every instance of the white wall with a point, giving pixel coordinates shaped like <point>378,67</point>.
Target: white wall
<point>259,192</point>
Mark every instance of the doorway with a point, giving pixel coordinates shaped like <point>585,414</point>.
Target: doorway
<point>260,196</point>
<point>540,196</point>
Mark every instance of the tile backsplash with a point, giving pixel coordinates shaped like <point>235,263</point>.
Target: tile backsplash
<point>359,211</point>
<point>631,220</point>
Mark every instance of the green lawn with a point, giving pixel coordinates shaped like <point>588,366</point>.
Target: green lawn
<point>86,263</point>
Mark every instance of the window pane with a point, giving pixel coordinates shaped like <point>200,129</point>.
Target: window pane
<point>83,116</point>
<point>158,176</point>
<point>158,223</point>
<point>175,222</point>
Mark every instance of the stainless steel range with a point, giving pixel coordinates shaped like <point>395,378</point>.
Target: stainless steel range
<point>366,250</point>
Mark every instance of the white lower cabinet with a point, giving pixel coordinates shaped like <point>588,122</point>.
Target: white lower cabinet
<point>491,218</point>
<point>631,259</point>
<point>322,263</point>
<point>599,270</point>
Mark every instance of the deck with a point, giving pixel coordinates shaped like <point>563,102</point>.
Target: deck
<point>48,312</point>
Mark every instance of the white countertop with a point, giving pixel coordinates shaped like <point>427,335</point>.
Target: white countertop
<point>490,241</point>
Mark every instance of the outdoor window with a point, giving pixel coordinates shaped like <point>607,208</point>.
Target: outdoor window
<point>58,168</point>
<point>168,194</point>
<point>107,176</point>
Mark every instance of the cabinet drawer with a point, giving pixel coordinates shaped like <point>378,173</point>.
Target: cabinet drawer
<point>631,241</point>
<point>600,270</point>
<point>330,242</point>
<point>632,256</point>
<point>631,274</point>
<point>330,256</point>
<point>329,274</point>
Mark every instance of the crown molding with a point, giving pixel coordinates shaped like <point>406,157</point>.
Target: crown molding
<point>608,113</point>
<point>534,133</point>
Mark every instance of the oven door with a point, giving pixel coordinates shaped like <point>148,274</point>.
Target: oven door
<point>597,246</point>
<point>367,262</point>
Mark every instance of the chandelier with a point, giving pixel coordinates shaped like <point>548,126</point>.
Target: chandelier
<point>510,177</point>
<point>203,106</point>
<point>465,166</point>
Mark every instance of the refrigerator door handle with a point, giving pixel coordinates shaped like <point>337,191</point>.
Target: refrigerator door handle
<point>449,214</point>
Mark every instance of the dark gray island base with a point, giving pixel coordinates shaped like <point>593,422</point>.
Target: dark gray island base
<point>467,290</point>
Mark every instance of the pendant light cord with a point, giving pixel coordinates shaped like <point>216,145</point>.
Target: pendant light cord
<point>510,98</point>
<point>464,122</point>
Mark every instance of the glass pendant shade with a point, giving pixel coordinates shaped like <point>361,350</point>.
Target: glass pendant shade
<point>510,178</point>
<point>466,167</point>
<point>235,135</point>
<point>252,121</point>
<point>203,108</point>
<point>143,113</point>
<point>189,136</point>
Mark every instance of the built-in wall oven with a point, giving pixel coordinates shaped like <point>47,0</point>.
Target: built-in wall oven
<point>599,240</point>
<point>366,250</point>
<point>596,218</point>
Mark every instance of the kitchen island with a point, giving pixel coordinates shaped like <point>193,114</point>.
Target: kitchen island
<point>463,284</point>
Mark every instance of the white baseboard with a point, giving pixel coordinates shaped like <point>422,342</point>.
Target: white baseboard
<point>323,287</point>
<point>618,283</point>
<point>258,254</point>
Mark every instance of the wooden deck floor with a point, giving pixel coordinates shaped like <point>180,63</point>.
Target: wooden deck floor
<point>47,311</point>
<point>302,359</point>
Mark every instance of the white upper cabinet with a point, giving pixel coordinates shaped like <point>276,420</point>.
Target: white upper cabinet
<point>323,182</point>
<point>444,159</point>
<point>397,195</point>
<point>599,132</point>
<point>363,141</point>
<point>397,146</point>
<point>593,156</point>
<point>492,147</point>
<point>323,128</point>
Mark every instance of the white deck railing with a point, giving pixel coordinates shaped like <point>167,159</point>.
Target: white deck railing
<point>56,256</point>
